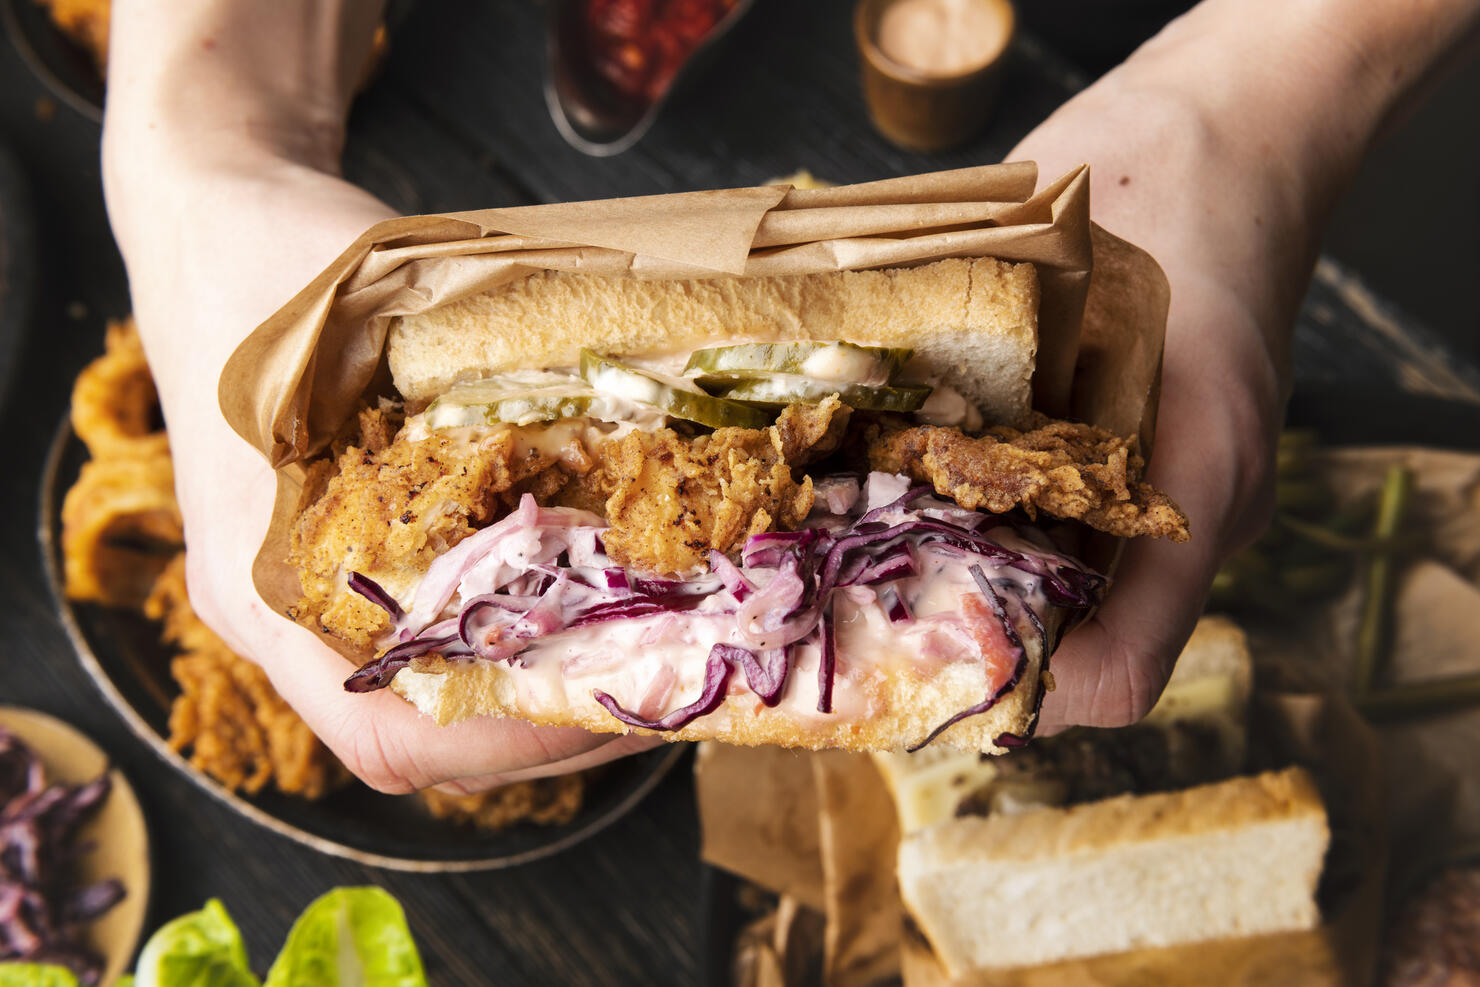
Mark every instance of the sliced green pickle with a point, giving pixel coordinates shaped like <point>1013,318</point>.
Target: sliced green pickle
<point>845,362</point>
<point>676,396</point>
<point>783,389</point>
<point>518,399</point>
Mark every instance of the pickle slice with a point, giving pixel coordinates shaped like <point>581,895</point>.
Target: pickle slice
<point>517,398</point>
<point>845,362</point>
<point>783,389</point>
<point>676,396</point>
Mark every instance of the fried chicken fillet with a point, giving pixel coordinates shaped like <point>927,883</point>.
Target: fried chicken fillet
<point>1063,469</point>
<point>386,507</point>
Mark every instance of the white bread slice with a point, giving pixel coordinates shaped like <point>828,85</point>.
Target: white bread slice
<point>1210,685</point>
<point>972,322</point>
<point>900,707</point>
<point>1237,858</point>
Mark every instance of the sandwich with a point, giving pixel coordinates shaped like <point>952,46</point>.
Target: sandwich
<point>1100,841</point>
<point>812,511</point>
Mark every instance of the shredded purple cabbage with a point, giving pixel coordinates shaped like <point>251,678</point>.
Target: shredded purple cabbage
<point>894,605</point>
<point>716,677</point>
<point>1014,641</point>
<point>827,665</point>
<point>779,595</point>
<point>376,594</point>
<point>42,913</point>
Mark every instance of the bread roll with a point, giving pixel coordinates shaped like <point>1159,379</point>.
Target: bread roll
<point>972,322</point>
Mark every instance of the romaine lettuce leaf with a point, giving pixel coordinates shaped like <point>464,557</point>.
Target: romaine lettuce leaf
<point>198,949</point>
<point>35,975</point>
<point>350,937</point>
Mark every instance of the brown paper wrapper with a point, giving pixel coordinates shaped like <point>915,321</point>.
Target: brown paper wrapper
<point>869,940</point>
<point>298,378</point>
<point>758,811</point>
<point>864,916</point>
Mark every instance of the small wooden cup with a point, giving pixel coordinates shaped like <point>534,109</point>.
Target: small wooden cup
<point>926,112</point>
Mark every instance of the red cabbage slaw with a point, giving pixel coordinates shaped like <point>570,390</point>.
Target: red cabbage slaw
<point>42,913</point>
<point>541,571</point>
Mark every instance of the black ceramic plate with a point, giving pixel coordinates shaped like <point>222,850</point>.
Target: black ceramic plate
<point>62,66</point>
<point>122,652</point>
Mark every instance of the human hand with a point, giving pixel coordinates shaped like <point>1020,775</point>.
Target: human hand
<point>223,211</point>
<point>1220,147</point>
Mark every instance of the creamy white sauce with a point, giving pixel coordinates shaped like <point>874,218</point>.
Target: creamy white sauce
<point>947,406</point>
<point>526,398</point>
<point>568,440</point>
<point>654,665</point>
<point>845,364</point>
<point>943,37</point>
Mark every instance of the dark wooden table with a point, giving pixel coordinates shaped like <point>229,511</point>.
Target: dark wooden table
<point>456,120</point>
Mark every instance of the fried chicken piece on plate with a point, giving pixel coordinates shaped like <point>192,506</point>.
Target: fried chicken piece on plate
<point>228,716</point>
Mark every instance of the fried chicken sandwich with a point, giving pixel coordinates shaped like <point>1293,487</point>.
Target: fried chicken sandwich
<point>812,511</point>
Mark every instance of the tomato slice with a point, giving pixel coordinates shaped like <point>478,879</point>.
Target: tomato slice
<point>986,629</point>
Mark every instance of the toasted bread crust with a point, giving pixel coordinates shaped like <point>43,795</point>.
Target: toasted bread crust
<point>972,321</point>
<point>1096,826</point>
<point>904,708</point>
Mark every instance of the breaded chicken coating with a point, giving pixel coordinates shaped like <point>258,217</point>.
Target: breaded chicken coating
<point>1065,469</point>
<point>388,514</point>
<point>668,499</point>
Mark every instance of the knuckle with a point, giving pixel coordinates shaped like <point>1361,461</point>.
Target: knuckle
<point>364,751</point>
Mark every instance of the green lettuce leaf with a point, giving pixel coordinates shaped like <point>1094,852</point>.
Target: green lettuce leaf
<point>35,975</point>
<point>350,937</point>
<point>198,949</point>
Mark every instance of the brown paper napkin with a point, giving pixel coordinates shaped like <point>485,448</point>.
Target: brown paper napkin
<point>298,378</point>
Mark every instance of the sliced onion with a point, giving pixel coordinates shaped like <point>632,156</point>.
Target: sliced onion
<point>767,619</point>
<point>880,490</point>
<point>504,612</point>
<point>772,547</point>
<point>730,575</point>
<point>838,494</point>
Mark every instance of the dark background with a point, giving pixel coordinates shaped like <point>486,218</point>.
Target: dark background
<point>446,126</point>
